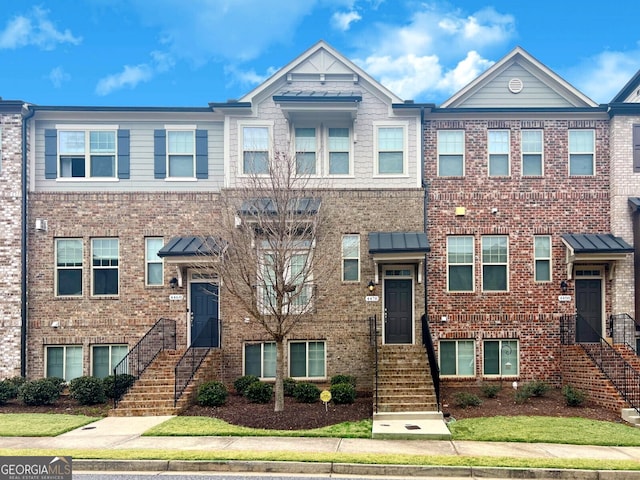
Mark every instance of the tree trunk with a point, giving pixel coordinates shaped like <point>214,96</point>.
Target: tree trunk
<point>279,389</point>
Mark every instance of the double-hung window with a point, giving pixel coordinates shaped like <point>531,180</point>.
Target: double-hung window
<point>306,151</point>
<point>181,149</point>
<point>255,150</point>
<point>391,145</point>
<point>450,153</point>
<point>291,275</point>
<point>68,267</point>
<point>542,258</point>
<point>351,258</point>
<point>307,359</point>
<point>460,264</point>
<point>154,268</point>
<point>501,358</point>
<point>531,147</point>
<point>104,266</point>
<point>105,357</point>
<point>499,147</point>
<point>495,257</point>
<point>87,153</point>
<point>260,359</point>
<point>64,361</point>
<point>338,147</point>
<point>457,358</point>
<point>581,152</point>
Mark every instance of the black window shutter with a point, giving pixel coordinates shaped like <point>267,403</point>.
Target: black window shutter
<point>160,154</point>
<point>636,148</point>
<point>50,153</point>
<point>202,160</point>
<point>123,154</point>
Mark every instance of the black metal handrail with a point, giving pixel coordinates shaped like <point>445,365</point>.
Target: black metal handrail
<point>427,341</point>
<point>191,360</point>
<point>373,334</point>
<point>623,327</point>
<point>620,373</point>
<point>162,336</point>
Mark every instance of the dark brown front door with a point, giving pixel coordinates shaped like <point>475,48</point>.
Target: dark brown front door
<point>204,315</point>
<point>589,309</point>
<point>398,304</point>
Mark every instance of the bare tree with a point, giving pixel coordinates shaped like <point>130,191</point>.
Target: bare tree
<point>270,225</point>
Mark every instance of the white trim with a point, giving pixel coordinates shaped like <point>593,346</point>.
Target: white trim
<point>523,153</point>
<point>404,125</point>
<point>411,277</point>
<point>489,153</point>
<point>592,152</point>
<point>190,277</point>
<point>85,126</point>
<point>241,124</point>
<point>180,127</point>
<point>462,152</point>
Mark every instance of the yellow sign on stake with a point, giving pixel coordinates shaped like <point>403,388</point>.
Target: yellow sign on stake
<point>325,396</point>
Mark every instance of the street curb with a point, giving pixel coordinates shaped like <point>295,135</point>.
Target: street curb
<point>348,469</point>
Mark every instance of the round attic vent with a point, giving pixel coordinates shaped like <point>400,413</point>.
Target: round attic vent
<point>515,85</point>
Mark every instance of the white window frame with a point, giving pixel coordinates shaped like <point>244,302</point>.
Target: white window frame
<point>94,268</point>
<point>152,261</point>
<point>377,126</point>
<point>173,129</point>
<point>110,346</point>
<point>263,358</point>
<point>327,141</point>
<point>302,150</point>
<point>460,264</point>
<point>539,258</point>
<point>351,254</point>
<point>489,262</point>
<point>442,154</point>
<point>86,130</point>
<point>456,342</point>
<point>64,359</point>
<point>501,352</point>
<point>307,306</point>
<point>591,152</point>
<point>494,150</point>
<point>524,151</point>
<point>58,268</point>
<point>324,359</point>
<point>241,150</point>
<point>1,151</point>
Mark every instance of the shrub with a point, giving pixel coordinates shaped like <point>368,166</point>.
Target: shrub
<point>212,394</point>
<point>466,399</point>
<point>537,388</point>
<point>490,390</point>
<point>16,382</point>
<point>242,383</point>
<point>337,379</point>
<point>87,390</point>
<point>306,392</point>
<point>342,393</point>
<point>259,392</point>
<point>9,388</point>
<point>573,397</point>
<point>43,391</point>
<point>289,386</point>
<point>57,382</point>
<point>116,386</point>
<point>522,395</point>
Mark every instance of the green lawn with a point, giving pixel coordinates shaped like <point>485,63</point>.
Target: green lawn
<point>40,424</point>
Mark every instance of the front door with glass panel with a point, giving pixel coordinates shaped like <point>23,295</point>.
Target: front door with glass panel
<point>398,310</point>
<point>205,328</point>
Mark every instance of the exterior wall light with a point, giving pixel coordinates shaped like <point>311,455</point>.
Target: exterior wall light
<point>371,286</point>
<point>173,283</point>
<point>564,286</point>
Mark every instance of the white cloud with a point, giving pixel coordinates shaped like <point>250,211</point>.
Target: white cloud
<point>58,76</point>
<point>129,77</point>
<point>246,78</point>
<point>464,72</point>
<point>603,76</point>
<point>35,29</point>
<point>343,20</point>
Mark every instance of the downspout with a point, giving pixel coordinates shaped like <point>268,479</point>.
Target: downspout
<point>26,115</point>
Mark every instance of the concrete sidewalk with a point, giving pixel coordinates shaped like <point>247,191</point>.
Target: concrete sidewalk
<point>124,433</point>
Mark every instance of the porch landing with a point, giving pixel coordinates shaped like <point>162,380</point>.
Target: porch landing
<point>410,425</point>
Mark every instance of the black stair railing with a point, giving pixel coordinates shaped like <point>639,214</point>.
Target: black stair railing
<point>162,336</point>
<point>373,335</point>
<point>620,373</point>
<point>625,330</point>
<point>427,341</point>
<point>191,360</point>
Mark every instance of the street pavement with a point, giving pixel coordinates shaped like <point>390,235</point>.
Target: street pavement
<point>125,433</point>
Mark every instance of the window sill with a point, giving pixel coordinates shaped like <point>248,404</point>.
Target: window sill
<point>87,179</point>
<point>180,179</point>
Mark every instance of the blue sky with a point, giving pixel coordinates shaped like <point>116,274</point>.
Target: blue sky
<point>191,52</point>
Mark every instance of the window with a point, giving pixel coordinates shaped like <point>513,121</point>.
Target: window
<point>460,264</point>
<point>494,263</point>
<point>104,263</point>
<point>305,151</point>
<point>501,357</point>
<point>0,150</point>
<point>581,152</point>
<point>255,150</point>
<point>499,148</point>
<point>351,258</point>
<point>181,153</point>
<point>105,357</point>
<point>457,357</point>
<point>450,153</point>
<point>542,258</point>
<point>154,269</point>
<point>531,153</point>
<point>260,360</point>
<point>339,146</point>
<point>64,362</point>
<point>87,153</point>
<point>636,147</point>
<point>306,360</point>
<point>297,290</point>
<point>68,267</point>
<point>390,144</point>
